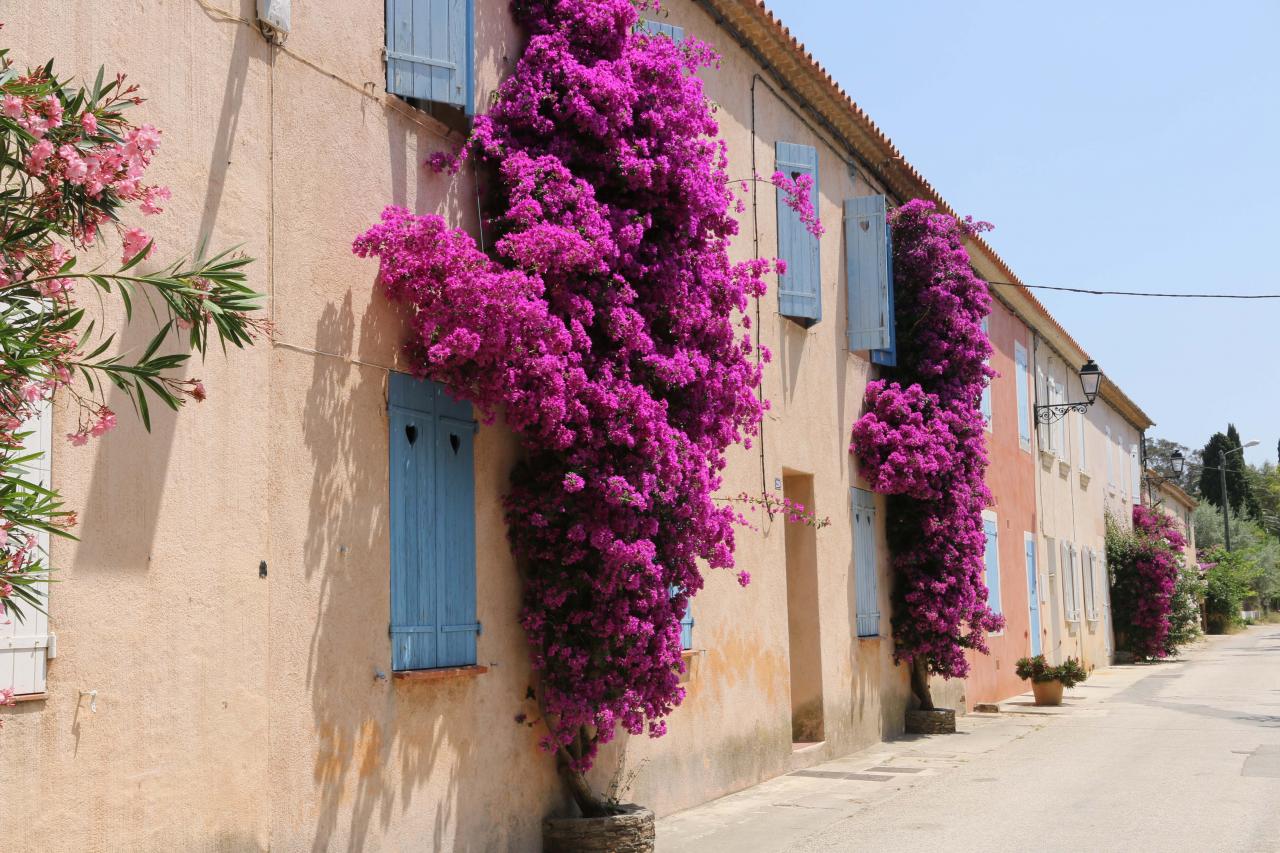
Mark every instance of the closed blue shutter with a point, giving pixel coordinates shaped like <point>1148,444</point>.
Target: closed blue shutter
<point>870,309</point>
<point>986,387</point>
<point>429,50</point>
<point>800,288</point>
<point>433,535</point>
<point>1033,595</point>
<point>993,565</point>
<point>657,28</point>
<point>686,621</point>
<point>1023,376</point>
<point>867,587</point>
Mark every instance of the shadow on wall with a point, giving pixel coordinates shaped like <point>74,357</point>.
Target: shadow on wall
<point>379,741</point>
<point>122,503</point>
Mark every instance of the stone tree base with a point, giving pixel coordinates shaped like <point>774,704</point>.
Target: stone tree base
<point>939,721</point>
<point>632,831</point>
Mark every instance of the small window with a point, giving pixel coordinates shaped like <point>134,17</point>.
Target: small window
<point>429,55</point>
<point>433,527</point>
<point>658,28</point>
<point>24,643</point>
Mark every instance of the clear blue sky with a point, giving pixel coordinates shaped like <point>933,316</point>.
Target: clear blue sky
<point>1116,146</point>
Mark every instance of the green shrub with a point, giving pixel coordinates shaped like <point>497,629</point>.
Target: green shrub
<point>1070,673</point>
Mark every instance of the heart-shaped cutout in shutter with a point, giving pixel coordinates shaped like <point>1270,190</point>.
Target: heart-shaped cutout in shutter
<point>455,443</point>
<point>411,433</point>
<point>865,225</point>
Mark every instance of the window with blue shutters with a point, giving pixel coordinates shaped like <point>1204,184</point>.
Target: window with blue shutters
<point>986,388</point>
<point>869,251</point>
<point>433,528</point>
<point>866,582</point>
<point>993,564</point>
<point>658,28</point>
<point>686,621</point>
<point>1023,377</point>
<point>430,51</point>
<point>800,287</point>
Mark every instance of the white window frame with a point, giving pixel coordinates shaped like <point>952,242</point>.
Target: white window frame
<point>987,404</point>
<point>28,644</point>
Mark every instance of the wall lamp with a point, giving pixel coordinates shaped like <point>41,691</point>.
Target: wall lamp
<point>1090,382</point>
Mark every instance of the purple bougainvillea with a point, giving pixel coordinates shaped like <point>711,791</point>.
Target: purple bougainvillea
<point>922,442</point>
<point>1144,568</point>
<point>606,324</point>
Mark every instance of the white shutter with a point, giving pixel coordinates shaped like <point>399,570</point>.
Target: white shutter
<point>1090,595</point>
<point>1070,593</point>
<point>24,644</point>
<point>1111,470</point>
<point>1135,461</point>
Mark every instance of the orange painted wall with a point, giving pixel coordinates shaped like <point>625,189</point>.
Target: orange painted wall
<point>1011,478</point>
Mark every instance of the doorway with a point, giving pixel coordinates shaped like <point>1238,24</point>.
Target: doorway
<point>804,636</point>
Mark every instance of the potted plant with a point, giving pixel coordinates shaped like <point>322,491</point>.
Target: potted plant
<point>1047,681</point>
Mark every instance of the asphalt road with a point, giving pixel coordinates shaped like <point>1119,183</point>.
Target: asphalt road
<point>1180,755</point>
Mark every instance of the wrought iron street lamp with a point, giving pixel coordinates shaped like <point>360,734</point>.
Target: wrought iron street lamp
<point>1178,462</point>
<point>1090,383</point>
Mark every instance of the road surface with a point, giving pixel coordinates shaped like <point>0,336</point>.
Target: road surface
<point>1179,755</point>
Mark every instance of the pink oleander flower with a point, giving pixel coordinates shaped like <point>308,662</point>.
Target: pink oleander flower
<point>78,439</point>
<point>39,156</point>
<point>105,423</point>
<point>135,240</point>
<point>13,107</point>
<point>89,123</point>
<point>151,198</point>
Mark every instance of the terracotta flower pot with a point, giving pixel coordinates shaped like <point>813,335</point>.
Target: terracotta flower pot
<point>631,831</point>
<point>1047,692</point>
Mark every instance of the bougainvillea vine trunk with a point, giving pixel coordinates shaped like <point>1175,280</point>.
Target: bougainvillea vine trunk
<point>922,442</point>
<point>606,324</point>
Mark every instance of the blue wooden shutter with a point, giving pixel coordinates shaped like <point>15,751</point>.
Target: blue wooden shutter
<point>1023,375</point>
<point>866,581</point>
<point>800,289</point>
<point>686,621</point>
<point>993,565</point>
<point>986,387</point>
<point>429,50</point>
<point>658,28</point>
<point>433,537</point>
<point>1033,595</point>
<point>870,309</point>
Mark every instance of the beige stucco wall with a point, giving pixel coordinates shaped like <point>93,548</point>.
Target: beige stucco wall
<point>240,713</point>
<point>1091,473</point>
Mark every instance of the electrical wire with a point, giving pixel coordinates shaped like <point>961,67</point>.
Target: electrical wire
<point>1141,293</point>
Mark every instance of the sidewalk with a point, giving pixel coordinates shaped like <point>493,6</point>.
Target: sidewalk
<point>782,812</point>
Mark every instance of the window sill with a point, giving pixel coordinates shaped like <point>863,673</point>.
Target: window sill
<point>30,697</point>
<point>1064,468</point>
<point>692,659</point>
<point>444,674</point>
<point>1084,480</point>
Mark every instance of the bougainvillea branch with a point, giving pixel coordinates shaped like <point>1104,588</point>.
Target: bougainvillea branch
<point>606,324</point>
<point>1144,567</point>
<point>922,442</point>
